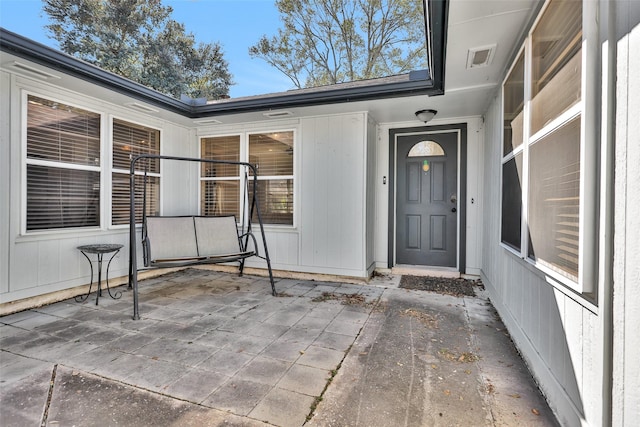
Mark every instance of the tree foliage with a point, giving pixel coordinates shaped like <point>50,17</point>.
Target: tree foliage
<point>333,41</point>
<point>138,39</point>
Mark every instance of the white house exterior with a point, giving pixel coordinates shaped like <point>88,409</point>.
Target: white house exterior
<point>575,323</point>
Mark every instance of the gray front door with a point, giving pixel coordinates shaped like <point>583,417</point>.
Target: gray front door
<point>427,199</point>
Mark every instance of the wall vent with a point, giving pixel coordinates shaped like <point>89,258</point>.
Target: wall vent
<point>33,71</point>
<point>207,122</point>
<point>277,114</point>
<point>480,56</point>
<point>141,107</point>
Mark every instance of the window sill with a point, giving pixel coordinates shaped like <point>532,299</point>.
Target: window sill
<point>75,233</point>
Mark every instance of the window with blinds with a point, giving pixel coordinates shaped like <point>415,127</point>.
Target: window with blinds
<point>543,124</point>
<point>222,188</point>
<point>220,183</point>
<point>62,165</point>
<point>130,140</point>
<point>272,153</point>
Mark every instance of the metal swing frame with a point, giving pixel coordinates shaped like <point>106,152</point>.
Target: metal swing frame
<point>253,207</point>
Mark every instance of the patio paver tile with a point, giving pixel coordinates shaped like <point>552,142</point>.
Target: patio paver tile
<point>36,345</point>
<point>131,342</point>
<point>14,368</point>
<point>122,367</point>
<point>266,330</point>
<point>196,385</point>
<point>56,325</point>
<point>225,362</point>
<point>334,341</point>
<point>283,408</point>
<point>288,318</point>
<point>31,320</point>
<point>237,396</point>
<point>54,354</point>
<point>311,322</point>
<point>285,350</point>
<point>18,317</point>
<point>301,335</point>
<point>60,309</point>
<point>263,370</point>
<point>156,375</point>
<point>320,357</point>
<point>305,379</point>
<point>344,328</point>
<point>248,344</point>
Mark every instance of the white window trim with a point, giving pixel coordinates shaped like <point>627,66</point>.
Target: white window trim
<point>25,161</point>
<point>589,112</point>
<point>244,157</point>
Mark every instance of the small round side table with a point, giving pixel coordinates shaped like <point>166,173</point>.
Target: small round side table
<point>99,250</point>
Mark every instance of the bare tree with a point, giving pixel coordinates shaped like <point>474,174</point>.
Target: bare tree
<point>333,41</point>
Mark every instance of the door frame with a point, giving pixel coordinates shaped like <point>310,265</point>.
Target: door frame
<point>461,129</point>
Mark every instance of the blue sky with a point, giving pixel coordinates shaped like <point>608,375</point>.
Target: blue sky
<point>235,24</point>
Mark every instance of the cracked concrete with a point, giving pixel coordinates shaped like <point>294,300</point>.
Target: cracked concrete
<point>215,349</point>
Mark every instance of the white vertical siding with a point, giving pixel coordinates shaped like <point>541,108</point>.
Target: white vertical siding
<point>474,201</point>
<point>626,268</point>
<point>180,180</point>
<point>332,195</point>
<point>371,169</point>
<point>43,262</point>
<point>5,173</point>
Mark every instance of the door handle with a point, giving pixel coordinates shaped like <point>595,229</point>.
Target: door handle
<point>454,210</point>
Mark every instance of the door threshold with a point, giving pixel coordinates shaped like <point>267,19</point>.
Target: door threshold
<point>425,270</point>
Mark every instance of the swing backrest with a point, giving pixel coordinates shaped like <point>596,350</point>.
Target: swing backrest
<point>216,235</point>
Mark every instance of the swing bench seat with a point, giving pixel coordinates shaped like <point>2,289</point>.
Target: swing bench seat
<point>170,241</point>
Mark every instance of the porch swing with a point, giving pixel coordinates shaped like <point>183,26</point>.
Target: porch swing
<point>176,241</point>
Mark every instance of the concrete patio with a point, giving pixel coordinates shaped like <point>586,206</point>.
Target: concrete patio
<point>213,348</point>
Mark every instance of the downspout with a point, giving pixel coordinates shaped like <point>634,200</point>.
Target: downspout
<point>607,200</point>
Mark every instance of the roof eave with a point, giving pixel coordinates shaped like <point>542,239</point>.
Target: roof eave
<point>435,19</point>
<point>277,101</point>
<point>67,64</point>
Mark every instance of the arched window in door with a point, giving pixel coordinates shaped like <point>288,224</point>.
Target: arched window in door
<point>426,148</point>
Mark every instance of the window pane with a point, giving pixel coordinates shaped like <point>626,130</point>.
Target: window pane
<point>512,202</point>
<point>225,148</point>
<point>272,153</point>
<point>121,205</point>
<point>513,107</point>
<point>130,140</point>
<point>275,198</point>
<point>220,198</point>
<point>62,133</point>
<point>62,198</point>
<point>426,148</point>
<point>557,62</point>
<point>554,200</point>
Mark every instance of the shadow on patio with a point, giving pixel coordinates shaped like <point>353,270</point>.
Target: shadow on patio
<point>212,348</point>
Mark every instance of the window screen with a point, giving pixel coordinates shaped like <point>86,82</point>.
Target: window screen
<point>514,107</point>
<point>557,62</point>
<point>512,202</point>
<point>554,200</point>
